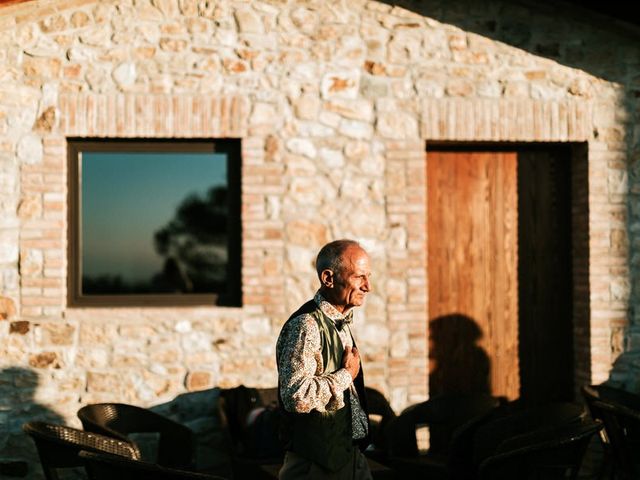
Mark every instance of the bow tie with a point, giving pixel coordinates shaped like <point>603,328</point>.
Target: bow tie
<point>341,322</point>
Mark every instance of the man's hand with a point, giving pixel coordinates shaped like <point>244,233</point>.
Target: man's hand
<point>351,361</point>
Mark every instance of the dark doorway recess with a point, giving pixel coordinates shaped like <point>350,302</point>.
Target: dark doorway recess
<point>544,274</point>
<point>507,226</point>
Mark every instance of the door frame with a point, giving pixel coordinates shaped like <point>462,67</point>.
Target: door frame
<point>579,233</point>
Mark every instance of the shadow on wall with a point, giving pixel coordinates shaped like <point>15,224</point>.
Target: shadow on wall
<point>17,406</point>
<point>623,375</point>
<point>457,364</point>
<point>535,27</point>
<point>459,388</point>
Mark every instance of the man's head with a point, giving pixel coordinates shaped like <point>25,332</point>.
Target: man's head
<point>343,269</point>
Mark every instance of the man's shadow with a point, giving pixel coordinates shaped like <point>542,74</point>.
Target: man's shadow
<point>17,406</point>
<point>458,365</point>
<point>459,388</point>
<point>459,380</point>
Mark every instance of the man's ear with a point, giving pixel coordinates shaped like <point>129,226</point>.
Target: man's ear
<point>326,278</point>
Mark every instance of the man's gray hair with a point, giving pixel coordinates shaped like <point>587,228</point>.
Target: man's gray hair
<point>330,256</point>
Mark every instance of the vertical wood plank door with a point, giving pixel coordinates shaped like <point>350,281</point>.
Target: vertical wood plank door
<point>472,271</point>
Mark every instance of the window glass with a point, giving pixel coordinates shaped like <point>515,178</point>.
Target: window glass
<point>155,219</point>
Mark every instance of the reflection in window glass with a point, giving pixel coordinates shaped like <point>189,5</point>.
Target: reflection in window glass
<point>153,222</point>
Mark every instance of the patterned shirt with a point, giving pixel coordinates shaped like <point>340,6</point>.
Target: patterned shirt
<point>303,386</point>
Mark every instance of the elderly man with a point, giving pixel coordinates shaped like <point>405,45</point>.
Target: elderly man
<point>320,378</point>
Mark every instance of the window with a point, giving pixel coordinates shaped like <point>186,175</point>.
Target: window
<point>154,222</point>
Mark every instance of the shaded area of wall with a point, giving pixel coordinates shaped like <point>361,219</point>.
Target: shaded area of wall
<point>19,403</point>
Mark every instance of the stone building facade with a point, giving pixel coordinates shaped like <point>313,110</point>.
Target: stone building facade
<point>334,102</point>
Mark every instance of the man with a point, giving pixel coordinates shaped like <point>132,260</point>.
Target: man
<point>320,378</point>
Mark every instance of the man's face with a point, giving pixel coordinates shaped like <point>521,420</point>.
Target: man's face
<point>351,283</point>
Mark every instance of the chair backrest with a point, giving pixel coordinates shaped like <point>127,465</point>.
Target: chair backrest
<point>609,393</point>
<point>380,414</point>
<point>176,441</point>
<point>548,453</point>
<point>100,466</point>
<point>443,414</point>
<point>591,394</point>
<point>460,459</point>
<point>58,446</point>
<point>251,418</point>
<point>522,421</point>
<point>622,425</point>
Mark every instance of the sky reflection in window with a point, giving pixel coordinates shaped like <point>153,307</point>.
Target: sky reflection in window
<point>127,198</point>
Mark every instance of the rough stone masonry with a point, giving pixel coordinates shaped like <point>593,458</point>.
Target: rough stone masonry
<point>333,101</point>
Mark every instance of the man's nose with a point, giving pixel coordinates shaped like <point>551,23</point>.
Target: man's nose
<point>366,286</point>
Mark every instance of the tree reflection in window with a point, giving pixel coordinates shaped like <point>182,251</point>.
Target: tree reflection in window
<point>194,245</point>
<point>194,248</point>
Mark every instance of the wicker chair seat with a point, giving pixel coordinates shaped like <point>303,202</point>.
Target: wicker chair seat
<point>58,446</point>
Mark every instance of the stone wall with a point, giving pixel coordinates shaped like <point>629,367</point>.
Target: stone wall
<point>333,101</point>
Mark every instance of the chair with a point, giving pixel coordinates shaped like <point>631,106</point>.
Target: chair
<point>609,393</point>
<point>444,415</point>
<point>548,453</point>
<point>622,426</point>
<point>605,393</point>
<point>251,418</point>
<point>380,415</point>
<point>459,464</point>
<point>522,421</point>
<point>58,446</point>
<point>101,466</point>
<point>175,445</point>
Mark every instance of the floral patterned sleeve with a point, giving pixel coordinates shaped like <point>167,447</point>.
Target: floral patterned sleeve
<point>302,385</point>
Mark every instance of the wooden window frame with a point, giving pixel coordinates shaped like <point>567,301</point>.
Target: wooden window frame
<point>232,297</point>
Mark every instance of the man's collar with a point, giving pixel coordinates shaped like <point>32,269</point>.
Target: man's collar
<point>330,311</point>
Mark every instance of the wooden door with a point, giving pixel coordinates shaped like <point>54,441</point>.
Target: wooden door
<point>500,272</point>
<point>472,271</point>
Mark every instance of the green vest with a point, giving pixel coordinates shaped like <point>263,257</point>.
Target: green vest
<point>324,438</point>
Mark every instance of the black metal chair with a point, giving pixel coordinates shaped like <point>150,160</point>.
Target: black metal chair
<point>513,423</point>
<point>612,394</point>
<point>101,466</point>
<point>548,453</point>
<point>459,464</point>
<point>250,418</point>
<point>444,415</point>
<point>606,393</point>
<point>175,444</point>
<point>622,426</point>
<point>380,416</point>
<point>58,446</point>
